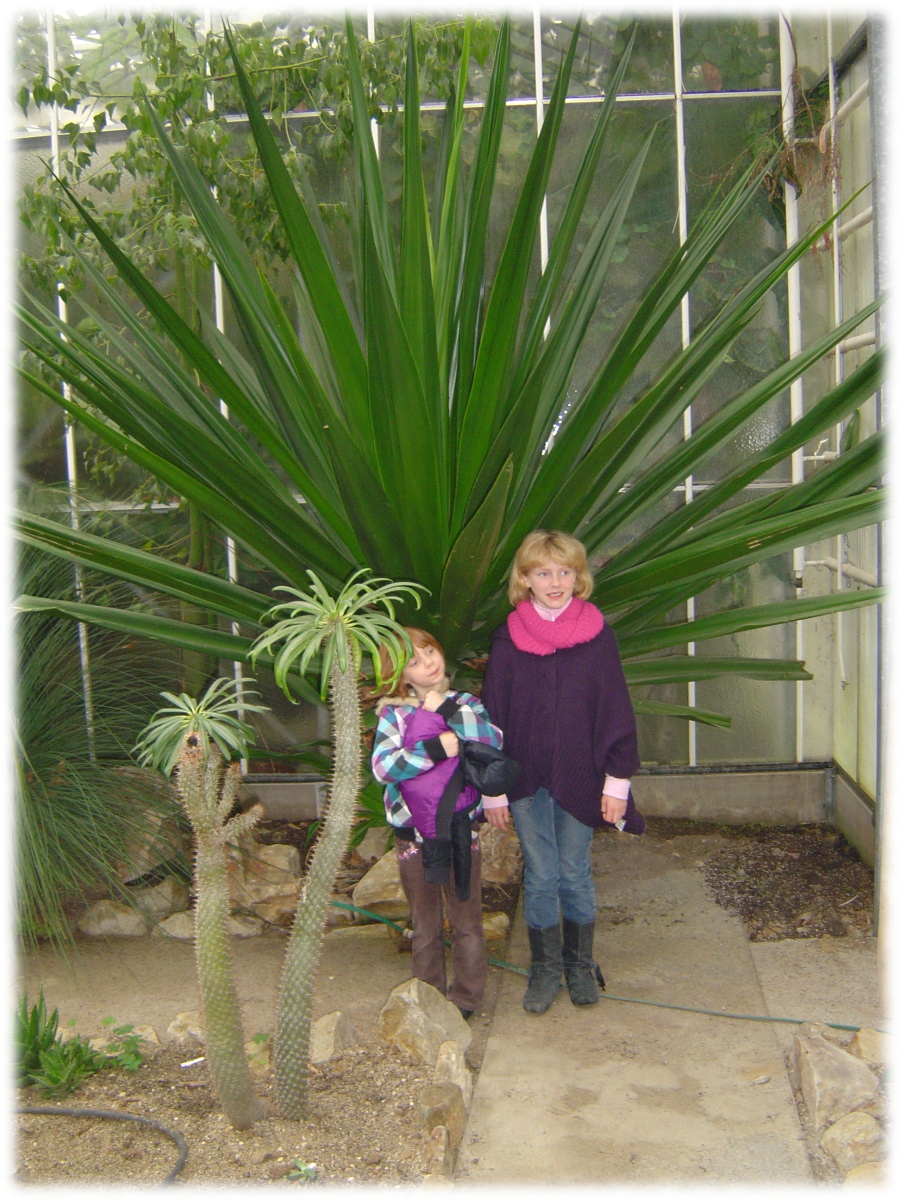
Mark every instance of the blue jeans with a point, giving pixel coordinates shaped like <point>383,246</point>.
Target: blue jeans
<point>557,852</point>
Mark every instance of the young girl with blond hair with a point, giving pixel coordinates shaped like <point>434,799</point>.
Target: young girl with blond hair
<point>416,753</point>
<point>554,684</point>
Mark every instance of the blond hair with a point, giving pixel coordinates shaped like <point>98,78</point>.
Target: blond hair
<point>401,692</point>
<point>542,546</point>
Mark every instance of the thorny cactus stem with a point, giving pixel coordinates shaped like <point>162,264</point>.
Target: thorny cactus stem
<point>207,799</point>
<point>301,961</point>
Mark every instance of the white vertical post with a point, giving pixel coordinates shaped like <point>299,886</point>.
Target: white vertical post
<point>795,333</point>
<point>539,122</point>
<point>219,304</point>
<point>71,457</point>
<point>837,283</point>
<point>687,419</point>
<point>370,33</point>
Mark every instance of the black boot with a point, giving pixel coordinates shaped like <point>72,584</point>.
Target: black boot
<point>582,973</point>
<point>545,970</point>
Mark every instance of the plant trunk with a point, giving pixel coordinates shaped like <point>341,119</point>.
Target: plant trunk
<point>222,1027</point>
<point>301,960</point>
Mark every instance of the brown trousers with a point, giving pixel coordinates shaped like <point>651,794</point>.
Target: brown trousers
<point>427,902</point>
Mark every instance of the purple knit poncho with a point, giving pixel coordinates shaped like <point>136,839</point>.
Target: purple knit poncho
<point>567,720</point>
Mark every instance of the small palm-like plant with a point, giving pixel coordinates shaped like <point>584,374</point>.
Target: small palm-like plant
<point>213,718</point>
<point>338,630</point>
<point>195,738</point>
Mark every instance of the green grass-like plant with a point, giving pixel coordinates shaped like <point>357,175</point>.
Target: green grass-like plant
<point>81,806</point>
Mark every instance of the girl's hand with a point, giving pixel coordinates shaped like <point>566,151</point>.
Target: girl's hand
<point>498,817</point>
<point>432,701</point>
<point>611,809</point>
<point>449,741</point>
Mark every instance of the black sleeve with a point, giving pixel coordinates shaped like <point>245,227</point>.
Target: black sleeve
<point>434,748</point>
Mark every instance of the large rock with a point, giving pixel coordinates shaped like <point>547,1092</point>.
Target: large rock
<point>110,918</point>
<point>179,926</point>
<point>833,1082</point>
<point>439,1156</point>
<point>418,1018</point>
<point>169,896</point>
<point>380,889</point>
<point>867,1172</point>
<point>855,1139</point>
<point>450,1067</point>
<point>373,845</point>
<point>259,873</point>
<point>329,1036</point>
<point>501,855</point>
<point>870,1046</point>
<point>442,1104</point>
<point>242,926</point>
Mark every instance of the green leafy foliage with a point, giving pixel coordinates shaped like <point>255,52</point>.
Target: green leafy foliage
<point>65,1065</point>
<point>34,1033</point>
<point>211,718</point>
<point>302,1172</point>
<point>315,623</point>
<point>56,1065</point>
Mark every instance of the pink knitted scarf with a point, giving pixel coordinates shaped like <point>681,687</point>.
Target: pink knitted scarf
<point>529,631</point>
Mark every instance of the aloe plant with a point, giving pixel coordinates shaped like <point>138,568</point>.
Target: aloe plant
<point>187,736</point>
<point>332,633</point>
<point>418,414</point>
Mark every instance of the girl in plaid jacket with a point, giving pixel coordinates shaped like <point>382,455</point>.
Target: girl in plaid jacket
<point>415,751</point>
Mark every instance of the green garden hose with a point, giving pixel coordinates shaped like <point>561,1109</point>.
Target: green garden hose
<point>707,1012</point>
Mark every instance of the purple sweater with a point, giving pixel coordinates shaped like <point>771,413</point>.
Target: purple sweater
<point>567,720</point>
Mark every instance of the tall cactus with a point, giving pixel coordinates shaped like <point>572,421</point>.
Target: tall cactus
<point>207,791</point>
<point>341,628</point>
<point>189,738</point>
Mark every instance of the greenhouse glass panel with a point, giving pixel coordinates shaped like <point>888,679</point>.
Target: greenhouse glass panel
<point>729,54</point>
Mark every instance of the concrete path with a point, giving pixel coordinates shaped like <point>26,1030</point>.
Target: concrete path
<point>624,1093</point>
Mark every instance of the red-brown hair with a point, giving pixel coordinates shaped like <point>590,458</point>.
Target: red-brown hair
<point>399,692</point>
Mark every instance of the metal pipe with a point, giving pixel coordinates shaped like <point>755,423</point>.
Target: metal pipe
<point>827,130</point>
<point>84,650</point>
<point>857,222</point>
<point>795,340</point>
<point>687,418</point>
<point>845,568</point>
<point>539,123</point>
<point>370,34</point>
<point>859,342</point>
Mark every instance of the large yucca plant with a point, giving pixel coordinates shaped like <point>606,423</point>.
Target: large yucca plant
<point>414,418</point>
